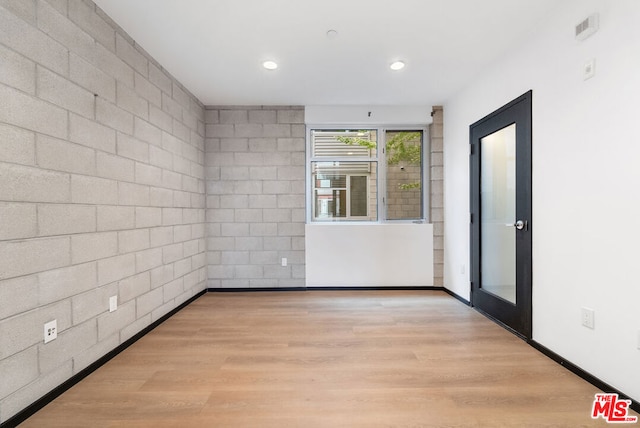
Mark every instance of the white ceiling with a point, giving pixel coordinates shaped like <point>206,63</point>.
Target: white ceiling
<point>215,47</point>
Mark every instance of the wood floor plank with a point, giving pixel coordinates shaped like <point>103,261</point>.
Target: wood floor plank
<point>326,359</point>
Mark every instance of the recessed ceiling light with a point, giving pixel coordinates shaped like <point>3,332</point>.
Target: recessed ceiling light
<point>332,34</point>
<point>398,65</point>
<point>270,65</point>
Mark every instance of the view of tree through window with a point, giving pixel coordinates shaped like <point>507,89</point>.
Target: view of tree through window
<point>404,175</point>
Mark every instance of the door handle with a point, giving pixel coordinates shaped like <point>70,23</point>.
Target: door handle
<point>521,225</point>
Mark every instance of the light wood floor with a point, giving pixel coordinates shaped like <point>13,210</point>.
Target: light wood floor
<point>326,359</point>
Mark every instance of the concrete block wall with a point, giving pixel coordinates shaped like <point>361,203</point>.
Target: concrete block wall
<point>102,192</point>
<point>255,168</point>
<point>436,196</point>
<point>403,203</point>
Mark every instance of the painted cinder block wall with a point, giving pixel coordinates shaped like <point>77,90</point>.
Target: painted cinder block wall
<point>436,193</point>
<point>255,168</point>
<point>102,192</point>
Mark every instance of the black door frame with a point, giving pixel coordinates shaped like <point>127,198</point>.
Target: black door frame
<point>515,317</point>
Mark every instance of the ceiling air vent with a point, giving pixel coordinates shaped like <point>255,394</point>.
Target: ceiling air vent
<point>587,27</point>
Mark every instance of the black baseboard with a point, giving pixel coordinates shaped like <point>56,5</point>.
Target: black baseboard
<point>247,289</point>
<point>30,410</point>
<point>263,289</point>
<point>455,296</point>
<point>635,405</point>
<point>421,288</point>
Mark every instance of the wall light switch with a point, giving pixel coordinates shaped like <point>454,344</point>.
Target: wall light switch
<point>284,261</point>
<point>113,303</point>
<point>589,69</point>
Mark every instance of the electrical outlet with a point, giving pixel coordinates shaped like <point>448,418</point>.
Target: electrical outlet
<point>284,261</point>
<point>50,331</point>
<point>113,303</point>
<point>588,318</point>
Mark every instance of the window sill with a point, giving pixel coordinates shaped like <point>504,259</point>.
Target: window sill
<point>367,223</point>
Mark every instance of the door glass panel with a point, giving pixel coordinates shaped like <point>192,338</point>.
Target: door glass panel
<point>498,208</point>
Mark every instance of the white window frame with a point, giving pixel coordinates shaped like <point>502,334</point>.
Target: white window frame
<point>380,160</point>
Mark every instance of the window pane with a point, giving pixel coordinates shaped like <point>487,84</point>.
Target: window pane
<point>404,175</point>
<point>344,143</point>
<point>331,203</point>
<point>358,195</point>
<point>344,190</point>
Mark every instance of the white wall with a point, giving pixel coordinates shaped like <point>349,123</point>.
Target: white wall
<point>586,183</point>
<point>369,255</point>
<point>362,115</point>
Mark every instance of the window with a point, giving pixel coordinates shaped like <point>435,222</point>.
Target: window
<point>352,180</point>
<point>403,155</point>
